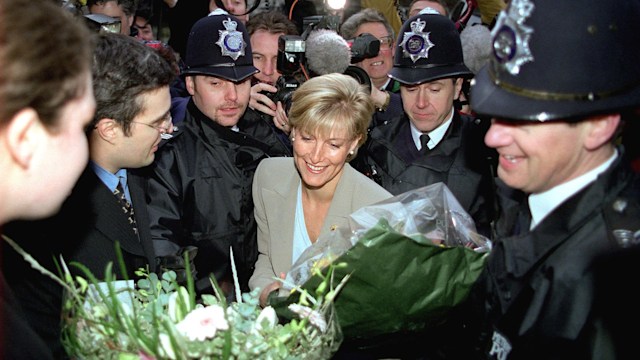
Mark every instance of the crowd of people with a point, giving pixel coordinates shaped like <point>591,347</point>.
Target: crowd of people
<point>161,154</point>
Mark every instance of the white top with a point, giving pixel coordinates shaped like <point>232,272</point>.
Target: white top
<point>544,203</point>
<point>301,239</point>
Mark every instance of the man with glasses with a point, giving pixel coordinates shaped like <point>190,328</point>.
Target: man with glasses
<point>378,67</point>
<point>107,205</point>
<point>123,10</point>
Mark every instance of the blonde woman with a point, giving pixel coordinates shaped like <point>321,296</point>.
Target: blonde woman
<point>298,199</point>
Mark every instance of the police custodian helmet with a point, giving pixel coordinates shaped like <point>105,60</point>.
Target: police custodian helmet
<point>218,45</point>
<point>428,48</point>
<point>561,59</point>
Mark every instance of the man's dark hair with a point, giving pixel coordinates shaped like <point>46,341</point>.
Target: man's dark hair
<point>123,69</point>
<point>128,6</point>
<point>350,25</point>
<point>446,4</point>
<point>272,21</point>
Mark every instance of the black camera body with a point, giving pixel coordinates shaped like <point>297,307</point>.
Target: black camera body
<point>364,46</point>
<point>286,85</point>
<point>291,49</point>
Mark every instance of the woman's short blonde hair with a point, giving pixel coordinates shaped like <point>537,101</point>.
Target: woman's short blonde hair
<point>332,101</point>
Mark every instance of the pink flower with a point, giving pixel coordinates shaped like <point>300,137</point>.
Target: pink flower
<point>202,323</point>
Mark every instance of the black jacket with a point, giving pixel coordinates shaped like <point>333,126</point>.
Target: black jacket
<point>199,193</point>
<point>85,230</point>
<point>460,160</point>
<point>537,291</point>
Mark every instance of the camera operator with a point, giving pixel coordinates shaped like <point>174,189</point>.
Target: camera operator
<point>264,30</point>
<point>377,67</point>
<point>384,90</point>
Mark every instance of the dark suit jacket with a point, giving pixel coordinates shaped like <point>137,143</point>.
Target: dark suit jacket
<point>85,230</point>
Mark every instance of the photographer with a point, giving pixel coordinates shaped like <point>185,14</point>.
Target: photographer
<point>264,30</point>
<point>323,52</point>
<point>377,67</point>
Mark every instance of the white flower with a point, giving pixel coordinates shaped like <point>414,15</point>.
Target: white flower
<point>202,323</point>
<point>266,320</point>
<point>178,303</point>
<point>315,318</point>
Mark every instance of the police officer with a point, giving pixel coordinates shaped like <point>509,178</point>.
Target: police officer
<point>558,85</point>
<point>200,186</point>
<point>431,142</point>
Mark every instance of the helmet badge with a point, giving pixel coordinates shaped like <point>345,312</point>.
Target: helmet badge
<point>416,44</point>
<point>511,36</point>
<point>231,42</point>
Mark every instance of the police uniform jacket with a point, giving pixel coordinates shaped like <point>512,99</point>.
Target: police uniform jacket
<point>538,287</point>
<point>391,158</point>
<point>200,192</point>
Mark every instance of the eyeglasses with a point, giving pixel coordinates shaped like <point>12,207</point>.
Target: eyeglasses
<point>385,42</point>
<point>164,129</point>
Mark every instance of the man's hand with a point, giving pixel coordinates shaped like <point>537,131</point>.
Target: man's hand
<point>281,120</point>
<point>177,264</point>
<point>261,102</point>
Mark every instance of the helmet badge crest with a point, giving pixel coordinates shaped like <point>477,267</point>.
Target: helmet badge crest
<point>231,42</point>
<point>511,36</point>
<point>416,44</point>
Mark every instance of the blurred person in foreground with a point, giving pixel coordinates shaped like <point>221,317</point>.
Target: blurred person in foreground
<point>432,142</point>
<point>558,90</point>
<point>200,185</point>
<point>107,205</point>
<point>299,199</point>
<point>46,100</point>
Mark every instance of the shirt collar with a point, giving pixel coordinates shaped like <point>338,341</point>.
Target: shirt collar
<point>384,86</point>
<point>435,136</point>
<point>544,203</point>
<point>109,179</point>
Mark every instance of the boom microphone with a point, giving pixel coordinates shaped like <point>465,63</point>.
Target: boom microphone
<point>327,52</point>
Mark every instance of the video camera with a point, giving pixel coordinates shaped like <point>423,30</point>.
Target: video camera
<point>293,65</point>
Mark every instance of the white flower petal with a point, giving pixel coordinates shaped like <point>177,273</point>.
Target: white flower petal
<point>202,323</point>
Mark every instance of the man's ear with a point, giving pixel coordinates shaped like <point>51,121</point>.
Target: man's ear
<point>602,129</point>
<point>457,86</point>
<point>107,129</point>
<point>190,84</point>
<point>24,134</point>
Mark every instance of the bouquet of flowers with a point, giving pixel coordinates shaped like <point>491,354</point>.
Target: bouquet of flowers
<point>412,258</point>
<point>159,319</point>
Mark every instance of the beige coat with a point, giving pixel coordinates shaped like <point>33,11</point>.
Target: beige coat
<point>275,189</point>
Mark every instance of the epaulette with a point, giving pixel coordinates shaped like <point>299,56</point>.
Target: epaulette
<point>622,218</point>
<point>167,138</point>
